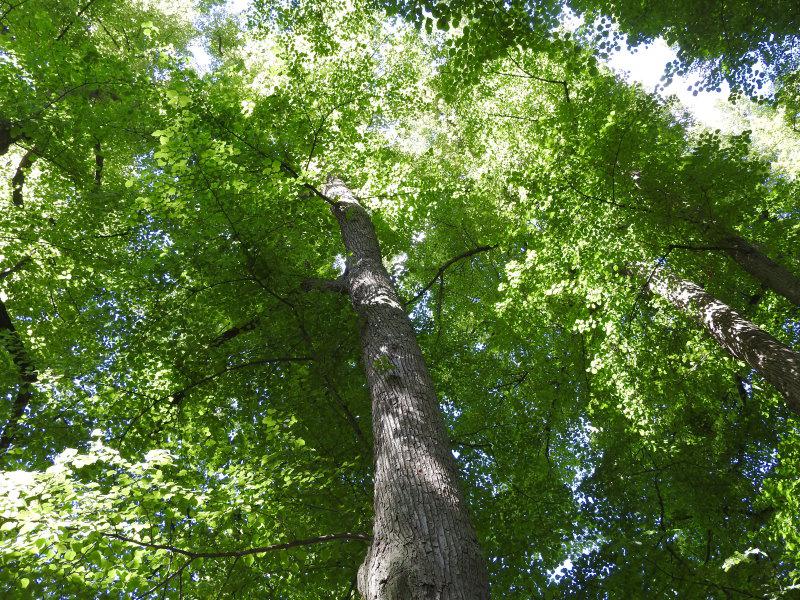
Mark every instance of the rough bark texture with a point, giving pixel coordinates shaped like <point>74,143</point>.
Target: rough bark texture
<point>742,339</point>
<point>776,277</point>
<point>424,545</point>
<point>27,376</point>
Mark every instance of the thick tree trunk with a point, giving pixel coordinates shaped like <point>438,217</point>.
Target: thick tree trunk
<point>742,339</point>
<point>424,545</point>
<point>774,276</point>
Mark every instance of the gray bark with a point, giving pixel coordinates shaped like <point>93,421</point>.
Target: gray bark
<point>773,275</point>
<point>778,364</point>
<point>424,545</point>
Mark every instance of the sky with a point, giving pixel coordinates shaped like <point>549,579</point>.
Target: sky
<point>644,64</point>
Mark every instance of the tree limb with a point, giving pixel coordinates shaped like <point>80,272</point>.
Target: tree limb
<point>360,537</point>
<point>447,265</point>
<point>27,376</point>
<point>179,395</point>
<point>98,164</point>
<point>17,267</point>
<point>338,285</point>
<point>234,331</point>
<point>67,27</point>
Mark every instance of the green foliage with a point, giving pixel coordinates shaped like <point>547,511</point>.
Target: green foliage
<point>193,401</point>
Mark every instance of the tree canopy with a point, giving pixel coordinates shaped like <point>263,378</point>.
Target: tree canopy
<point>605,294</point>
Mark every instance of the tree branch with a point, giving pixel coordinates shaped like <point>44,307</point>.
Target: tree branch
<point>234,331</point>
<point>191,554</point>
<point>27,376</point>
<point>72,22</point>
<point>179,395</point>
<point>286,167</point>
<point>17,267</point>
<point>338,285</point>
<point>528,75</point>
<point>698,248</point>
<point>447,265</point>
<point>98,164</point>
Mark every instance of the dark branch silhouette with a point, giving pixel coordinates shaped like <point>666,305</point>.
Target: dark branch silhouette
<point>193,554</point>
<point>446,266</point>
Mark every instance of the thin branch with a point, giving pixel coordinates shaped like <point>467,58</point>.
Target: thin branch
<point>698,248</point>
<point>330,387</point>
<point>66,93</point>
<point>528,75</point>
<point>286,167</point>
<point>72,22</point>
<point>180,394</point>
<point>27,376</point>
<point>510,116</point>
<point>168,579</point>
<point>447,265</point>
<point>337,286</point>
<point>191,554</point>
<point>10,8</point>
<point>234,331</point>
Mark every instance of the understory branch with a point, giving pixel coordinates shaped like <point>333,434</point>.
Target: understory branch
<point>446,266</point>
<point>192,554</point>
<point>338,286</point>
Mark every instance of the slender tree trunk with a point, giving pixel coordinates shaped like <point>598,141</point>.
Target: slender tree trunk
<point>776,277</point>
<point>742,339</point>
<point>5,137</point>
<point>18,181</point>
<point>98,164</point>
<point>27,376</point>
<point>9,336</point>
<point>424,545</point>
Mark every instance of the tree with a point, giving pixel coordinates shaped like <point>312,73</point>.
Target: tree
<point>779,365</point>
<point>423,540</point>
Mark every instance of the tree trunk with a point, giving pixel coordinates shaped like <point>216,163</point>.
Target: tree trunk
<point>742,339</point>
<point>776,277</point>
<point>9,336</point>
<point>424,545</point>
<point>27,376</point>
<point>5,137</point>
<point>18,181</point>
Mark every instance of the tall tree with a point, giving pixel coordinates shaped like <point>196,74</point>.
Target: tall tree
<point>745,341</point>
<point>423,542</point>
